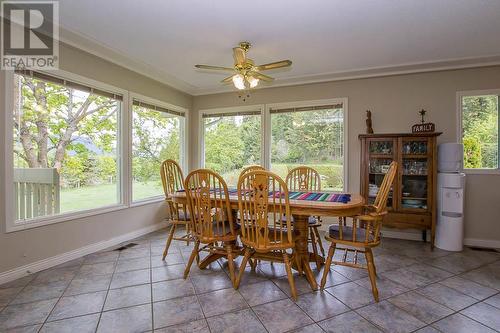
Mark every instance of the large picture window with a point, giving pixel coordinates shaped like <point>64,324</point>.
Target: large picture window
<point>479,119</point>
<point>231,142</point>
<point>66,146</point>
<point>157,135</point>
<point>311,136</point>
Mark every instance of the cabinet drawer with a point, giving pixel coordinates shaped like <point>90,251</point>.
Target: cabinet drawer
<point>424,220</point>
<point>400,220</point>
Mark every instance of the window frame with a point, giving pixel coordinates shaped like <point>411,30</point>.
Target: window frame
<point>236,109</point>
<point>124,152</point>
<point>183,136</point>
<point>319,102</point>
<point>459,136</point>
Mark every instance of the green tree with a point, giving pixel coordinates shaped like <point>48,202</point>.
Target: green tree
<point>480,122</point>
<point>224,147</point>
<point>49,117</point>
<point>155,138</point>
<point>472,153</point>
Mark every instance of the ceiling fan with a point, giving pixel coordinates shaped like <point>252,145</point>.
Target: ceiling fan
<point>246,74</point>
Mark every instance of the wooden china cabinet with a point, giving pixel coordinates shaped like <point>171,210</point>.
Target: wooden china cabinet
<point>412,200</point>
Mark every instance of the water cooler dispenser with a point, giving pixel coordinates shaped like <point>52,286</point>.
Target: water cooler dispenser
<point>450,197</point>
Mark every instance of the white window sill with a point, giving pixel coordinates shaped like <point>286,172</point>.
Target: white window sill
<point>482,171</point>
<point>47,220</point>
<point>148,201</point>
<point>42,221</point>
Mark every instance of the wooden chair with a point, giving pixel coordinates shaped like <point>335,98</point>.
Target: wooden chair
<point>263,202</point>
<point>173,181</point>
<point>212,220</point>
<point>244,172</point>
<point>363,235</point>
<point>304,178</point>
<point>251,168</point>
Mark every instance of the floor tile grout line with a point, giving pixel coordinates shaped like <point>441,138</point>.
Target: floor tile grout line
<point>59,299</point>
<point>454,311</point>
<point>151,286</point>
<point>107,293</point>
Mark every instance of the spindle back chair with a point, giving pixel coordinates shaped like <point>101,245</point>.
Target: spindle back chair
<point>266,224</point>
<point>363,235</point>
<point>211,216</point>
<point>173,181</point>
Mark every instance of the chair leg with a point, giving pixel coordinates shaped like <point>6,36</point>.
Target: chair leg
<point>191,258</point>
<point>315,248</point>
<point>169,240</point>
<point>371,272</point>
<point>230,262</point>
<point>253,264</point>
<point>188,233</point>
<point>328,263</point>
<point>320,242</point>
<point>288,267</point>
<point>243,265</point>
<point>298,262</point>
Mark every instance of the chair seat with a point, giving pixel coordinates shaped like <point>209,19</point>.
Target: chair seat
<point>334,232</point>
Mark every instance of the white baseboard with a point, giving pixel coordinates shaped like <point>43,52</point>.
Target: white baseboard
<point>417,236</point>
<point>487,243</point>
<point>40,265</point>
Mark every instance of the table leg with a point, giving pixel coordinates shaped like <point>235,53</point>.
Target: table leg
<point>301,226</point>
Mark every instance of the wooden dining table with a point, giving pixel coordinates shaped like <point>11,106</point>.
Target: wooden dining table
<point>301,210</point>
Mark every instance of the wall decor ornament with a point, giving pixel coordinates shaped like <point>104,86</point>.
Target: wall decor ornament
<point>423,127</point>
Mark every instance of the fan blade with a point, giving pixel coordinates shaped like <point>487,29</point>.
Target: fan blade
<point>216,68</point>
<point>261,76</point>
<point>274,65</point>
<point>228,79</point>
<point>239,56</point>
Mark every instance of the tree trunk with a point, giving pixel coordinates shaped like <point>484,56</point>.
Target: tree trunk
<point>42,124</point>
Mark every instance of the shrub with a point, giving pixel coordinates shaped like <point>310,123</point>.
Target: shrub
<point>472,153</point>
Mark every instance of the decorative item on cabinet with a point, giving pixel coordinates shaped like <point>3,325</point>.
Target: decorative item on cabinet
<point>412,200</point>
<point>369,128</point>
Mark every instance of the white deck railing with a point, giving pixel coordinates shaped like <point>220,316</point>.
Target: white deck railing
<point>36,192</point>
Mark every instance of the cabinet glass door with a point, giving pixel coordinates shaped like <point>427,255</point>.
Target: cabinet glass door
<point>415,166</point>
<point>381,153</point>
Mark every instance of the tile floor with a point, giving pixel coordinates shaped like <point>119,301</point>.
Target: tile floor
<point>134,291</point>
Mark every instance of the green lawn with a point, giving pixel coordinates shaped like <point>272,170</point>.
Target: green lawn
<point>89,197</point>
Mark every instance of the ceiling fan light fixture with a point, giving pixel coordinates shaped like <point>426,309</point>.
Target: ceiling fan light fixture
<point>239,81</point>
<point>253,81</point>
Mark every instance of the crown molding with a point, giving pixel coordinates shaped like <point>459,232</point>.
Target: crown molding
<point>412,68</point>
<point>94,47</point>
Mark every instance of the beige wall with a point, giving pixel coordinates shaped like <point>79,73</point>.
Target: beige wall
<point>395,102</point>
<point>24,247</point>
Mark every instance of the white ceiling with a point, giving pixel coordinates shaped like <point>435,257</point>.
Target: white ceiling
<point>326,39</point>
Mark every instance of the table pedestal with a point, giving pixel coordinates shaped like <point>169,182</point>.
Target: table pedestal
<point>301,226</point>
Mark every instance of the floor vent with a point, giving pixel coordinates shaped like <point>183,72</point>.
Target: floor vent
<point>124,247</point>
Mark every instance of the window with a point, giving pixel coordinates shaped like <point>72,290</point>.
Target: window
<point>65,146</point>
<point>479,132</point>
<point>231,142</point>
<point>157,135</point>
<point>311,136</point>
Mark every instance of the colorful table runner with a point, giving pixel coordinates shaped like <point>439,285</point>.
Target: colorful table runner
<point>308,196</point>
